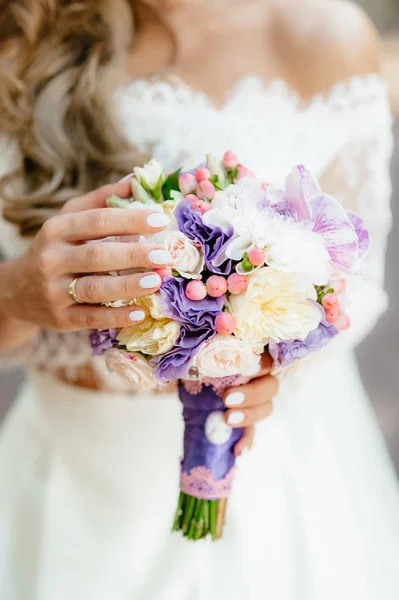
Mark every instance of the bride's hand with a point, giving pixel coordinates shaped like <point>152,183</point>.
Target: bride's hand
<point>37,283</point>
<point>250,403</point>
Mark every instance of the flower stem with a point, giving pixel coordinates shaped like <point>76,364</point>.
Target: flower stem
<point>197,518</point>
<point>213,510</point>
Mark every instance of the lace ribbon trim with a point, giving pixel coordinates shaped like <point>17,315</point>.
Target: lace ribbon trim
<point>200,483</point>
<point>219,385</point>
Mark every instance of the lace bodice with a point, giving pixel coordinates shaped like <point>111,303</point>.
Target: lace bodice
<point>343,137</point>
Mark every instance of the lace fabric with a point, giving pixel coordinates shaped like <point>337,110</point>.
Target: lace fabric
<point>344,137</point>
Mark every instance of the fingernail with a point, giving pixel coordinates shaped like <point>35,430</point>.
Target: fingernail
<point>157,219</point>
<point>150,281</point>
<point>235,399</point>
<point>136,315</point>
<point>244,451</point>
<point>159,257</point>
<point>126,178</point>
<point>235,418</point>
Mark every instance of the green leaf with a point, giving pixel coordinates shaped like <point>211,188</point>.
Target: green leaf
<point>246,264</point>
<point>171,185</point>
<point>157,195</point>
<point>215,180</point>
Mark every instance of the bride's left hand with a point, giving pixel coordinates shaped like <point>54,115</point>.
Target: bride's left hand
<point>250,403</point>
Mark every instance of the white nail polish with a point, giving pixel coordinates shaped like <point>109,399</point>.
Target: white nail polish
<point>157,219</point>
<point>150,281</point>
<point>159,257</point>
<point>235,399</point>
<point>126,178</point>
<point>136,315</point>
<point>235,418</point>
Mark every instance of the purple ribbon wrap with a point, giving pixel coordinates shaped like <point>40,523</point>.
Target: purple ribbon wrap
<point>207,468</point>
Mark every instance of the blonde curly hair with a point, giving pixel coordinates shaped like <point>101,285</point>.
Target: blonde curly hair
<point>59,62</point>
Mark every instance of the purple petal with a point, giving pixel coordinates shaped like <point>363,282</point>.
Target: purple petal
<point>286,353</point>
<point>300,188</point>
<point>363,235</point>
<point>333,224</point>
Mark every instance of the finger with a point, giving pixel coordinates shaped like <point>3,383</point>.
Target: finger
<point>246,442</point>
<point>79,317</point>
<point>98,198</point>
<point>103,222</point>
<point>255,393</point>
<point>103,257</point>
<point>266,365</point>
<point>248,416</point>
<point>107,288</point>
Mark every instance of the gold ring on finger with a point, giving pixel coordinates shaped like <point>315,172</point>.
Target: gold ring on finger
<point>72,290</point>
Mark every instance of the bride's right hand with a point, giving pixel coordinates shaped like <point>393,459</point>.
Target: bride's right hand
<point>37,285</point>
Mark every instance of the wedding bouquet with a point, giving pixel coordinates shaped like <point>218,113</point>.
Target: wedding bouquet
<point>253,269</point>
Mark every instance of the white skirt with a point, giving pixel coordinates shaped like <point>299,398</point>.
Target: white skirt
<point>89,485</point>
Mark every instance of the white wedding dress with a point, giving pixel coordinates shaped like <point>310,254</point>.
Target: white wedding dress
<point>89,480</point>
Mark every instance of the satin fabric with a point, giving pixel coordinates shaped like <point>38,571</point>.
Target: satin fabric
<point>89,485</point>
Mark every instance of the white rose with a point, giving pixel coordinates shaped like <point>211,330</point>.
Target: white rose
<point>226,355</point>
<point>152,176</point>
<point>132,368</point>
<point>275,307</point>
<point>187,258</point>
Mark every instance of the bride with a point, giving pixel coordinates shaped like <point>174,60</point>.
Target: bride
<point>89,472</point>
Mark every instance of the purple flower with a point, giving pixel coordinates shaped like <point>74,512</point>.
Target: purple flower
<point>213,241</point>
<point>197,319</point>
<point>343,233</point>
<point>195,313</point>
<point>102,340</point>
<point>285,353</point>
<point>176,363</point>
<point>363,235</point>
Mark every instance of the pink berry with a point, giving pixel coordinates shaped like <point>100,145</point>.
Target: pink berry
<point>230,160</point>
<point>196,290</point>
<point>205,190</point>
<point>187,183</point>
<point>195,202</point>
<point>244,172</point>
<point>202,173</point>
<point>164,272</point>
<point>216,286</point>
<point>204,207</point>
<point>225,323</point>
<point>343,322</point>
<point>332,314</point>
<point>330,301</point>
<point>256,256</point>
<point>237,284</point>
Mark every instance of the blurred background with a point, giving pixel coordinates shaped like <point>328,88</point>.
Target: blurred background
<point>379,354</point>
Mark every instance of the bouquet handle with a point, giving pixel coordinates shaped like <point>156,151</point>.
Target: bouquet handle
<point>208,465</point>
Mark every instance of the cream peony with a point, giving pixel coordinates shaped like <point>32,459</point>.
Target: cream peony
<point>155,335</point>
<point>187,258</point>
<point>226,355</point>
<point>132,368</point>
<point>275,307</point>
<point>151,305</point>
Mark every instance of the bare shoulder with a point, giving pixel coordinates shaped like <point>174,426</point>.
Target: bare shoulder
<point>322,42</point>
